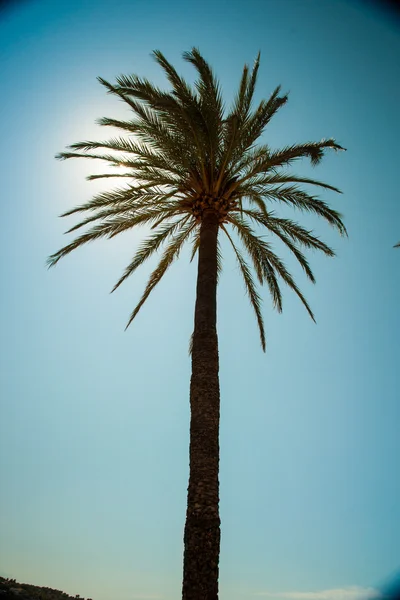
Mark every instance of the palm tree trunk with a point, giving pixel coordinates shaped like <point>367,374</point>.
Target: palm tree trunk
<point>202,529</point>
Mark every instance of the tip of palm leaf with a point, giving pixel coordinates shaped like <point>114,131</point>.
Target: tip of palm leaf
<point>103,81</point>
<point>333,144</point>
<point>116,286</point>
<point>51,261</point>
<point>128,323</point>
<point>68,213</point>
<point>74,228</point>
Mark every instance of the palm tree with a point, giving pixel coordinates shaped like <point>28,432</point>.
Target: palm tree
<point>195,171</point>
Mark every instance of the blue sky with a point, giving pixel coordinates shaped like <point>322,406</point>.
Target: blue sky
<point>95,420</point>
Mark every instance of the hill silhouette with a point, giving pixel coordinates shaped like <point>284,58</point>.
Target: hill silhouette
<point>10,589</point>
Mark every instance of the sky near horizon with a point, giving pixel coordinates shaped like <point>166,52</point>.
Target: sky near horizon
<point>95,421</point>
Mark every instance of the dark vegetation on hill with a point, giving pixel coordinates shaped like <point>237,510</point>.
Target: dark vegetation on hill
<point>12,590</point>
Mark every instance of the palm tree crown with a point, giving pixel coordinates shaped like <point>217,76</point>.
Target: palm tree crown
<point>187,155</point>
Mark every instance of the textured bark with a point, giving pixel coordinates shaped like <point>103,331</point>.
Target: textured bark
<point>202,529</point>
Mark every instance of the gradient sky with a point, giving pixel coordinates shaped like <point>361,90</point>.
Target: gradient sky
<point>95,421</point>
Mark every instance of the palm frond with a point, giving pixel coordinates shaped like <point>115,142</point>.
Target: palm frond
<point>149,246</point>
<point>210,104</point>
<point>170,253</point>
<point>260,252</point>
<point>243,129</point>
<point>255,198</point>
<point>134,195</point>
<point>93,177</point>
<point>130,126</point>
<point>269,260</point>
<point>252,244</point>
<point>299,234</point>
<point>140,214</point>
<point>254,297</point>
<point>249,160</point>
<point>208,86</point>
<point>312,150</point>
<point>195,244</point>
<point>112,89</point>
<point>107,229</point>
<point>238,110</point>
<point>255,125</point>
<point>188,110</point>
<point>299,199</point>
<point>233,124</point>
<point>156,174</point>
<point>181,114</point>
<point>270,263</point>
<point>110,158</point>
<point>280,268</point>
<point>148,157</point>
<point>260,165</point>
<point>181,89</point>
<point>295,231</point>
<point>156,121</point>
<point>251,86</point>
<point>156,134</point>
<point>120,209</point>
<point>288,242</point>
<point>279,178</point>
